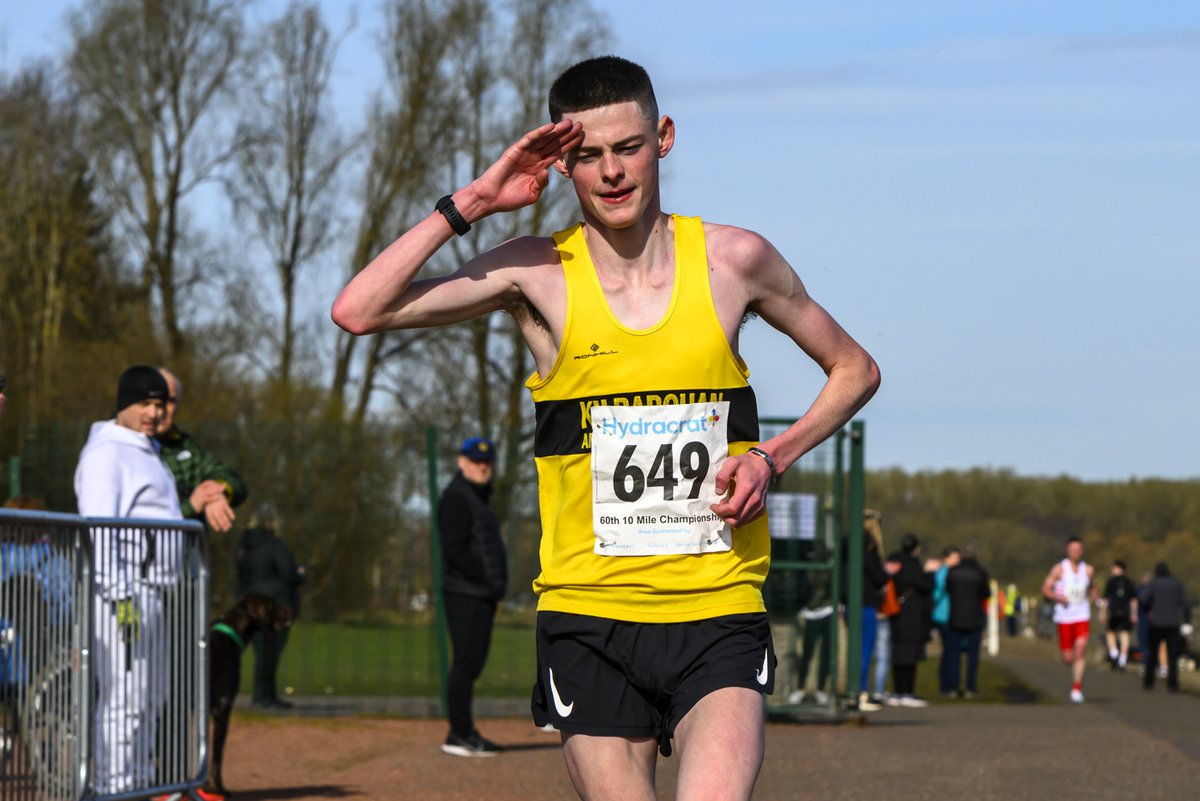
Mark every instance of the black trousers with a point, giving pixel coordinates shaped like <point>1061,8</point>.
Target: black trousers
<point>470,623</point>
<point>816,636</point>
<point>904,679</point>
<point>1169,635</point>
<point>268,648</point>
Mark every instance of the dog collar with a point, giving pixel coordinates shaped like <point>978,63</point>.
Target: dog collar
<point>231,634</point>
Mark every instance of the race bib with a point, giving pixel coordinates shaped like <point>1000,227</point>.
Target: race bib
<point>654,478</point>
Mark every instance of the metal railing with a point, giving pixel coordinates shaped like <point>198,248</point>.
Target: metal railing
<point>103,657</point>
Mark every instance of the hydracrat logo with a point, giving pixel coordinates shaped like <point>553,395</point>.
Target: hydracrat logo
<point>639,425</point>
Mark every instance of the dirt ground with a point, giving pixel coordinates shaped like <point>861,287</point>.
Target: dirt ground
<point>365,758</point>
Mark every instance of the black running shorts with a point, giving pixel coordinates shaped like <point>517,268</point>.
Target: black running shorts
<point>614,678</point>
<point>1120,623</point>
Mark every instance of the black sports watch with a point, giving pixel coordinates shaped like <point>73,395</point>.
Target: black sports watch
<point>446,206</point>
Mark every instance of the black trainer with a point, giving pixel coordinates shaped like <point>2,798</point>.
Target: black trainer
<point>473,745</point>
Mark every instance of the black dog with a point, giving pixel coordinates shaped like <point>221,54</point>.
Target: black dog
<point>231,633</point>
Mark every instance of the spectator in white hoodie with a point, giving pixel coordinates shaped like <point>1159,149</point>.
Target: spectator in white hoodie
<point>121,475</point>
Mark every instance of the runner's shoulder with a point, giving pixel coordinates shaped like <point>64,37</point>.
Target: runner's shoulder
<point>737,249</point>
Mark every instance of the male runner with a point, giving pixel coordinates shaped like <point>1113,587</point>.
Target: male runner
<point>1069,586</point>
<point>1121,612</point>
<point>651,624</point>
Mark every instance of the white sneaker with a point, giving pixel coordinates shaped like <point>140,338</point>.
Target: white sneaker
<point>913,702</point>
<point>796,697</point>
<point>894,700</point>
<point>865,705</point>
<point>820,698</point>
<point>1121,660</point>
<point>1076,696</point>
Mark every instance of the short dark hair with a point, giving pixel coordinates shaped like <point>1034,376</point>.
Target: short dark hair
<point>909,543</point>
<point>1120,563</point>
<point>602,81</point>
<point>1074,538</point>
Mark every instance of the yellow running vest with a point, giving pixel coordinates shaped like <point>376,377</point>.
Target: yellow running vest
<point>685,358</point>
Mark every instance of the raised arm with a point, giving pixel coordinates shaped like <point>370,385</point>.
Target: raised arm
<point>384,295</point>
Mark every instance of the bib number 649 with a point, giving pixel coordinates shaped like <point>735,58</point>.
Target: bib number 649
<point>630,481</point>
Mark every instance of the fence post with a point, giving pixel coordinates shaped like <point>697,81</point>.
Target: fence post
<point>435,553</point>
<point>837,518</point>
<point>856,496</point>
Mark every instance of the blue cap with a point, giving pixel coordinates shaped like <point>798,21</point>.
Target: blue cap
<point>478,449</point>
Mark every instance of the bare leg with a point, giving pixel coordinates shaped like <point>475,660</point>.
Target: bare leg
<point>1079,663</point>
<point>720,743</point>
<point>611,768</point>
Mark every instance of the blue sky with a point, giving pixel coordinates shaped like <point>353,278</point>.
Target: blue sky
<point>997,199</point>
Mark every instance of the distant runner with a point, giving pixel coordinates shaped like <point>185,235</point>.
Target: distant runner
<point>1069,586</point>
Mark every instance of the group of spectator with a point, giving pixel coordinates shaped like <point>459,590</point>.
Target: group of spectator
<point>140,465</point>
<point>904,600</point>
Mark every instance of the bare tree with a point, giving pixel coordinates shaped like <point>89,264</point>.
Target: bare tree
<point>289,159</point>
<point>412,136</point>
<point>148,73</point>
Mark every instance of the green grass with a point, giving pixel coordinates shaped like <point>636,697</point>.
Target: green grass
<point>398,660</point>
<point>997,684</point>
<point>402,660</point>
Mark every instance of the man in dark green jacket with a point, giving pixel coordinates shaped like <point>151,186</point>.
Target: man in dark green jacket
<point>208,488</point>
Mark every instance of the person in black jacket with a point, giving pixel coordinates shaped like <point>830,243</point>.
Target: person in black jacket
<point>474,578</point>
<point>266,566</point>
<point>968,586</point>
<point>910,628</point>
<point>1167,608</point>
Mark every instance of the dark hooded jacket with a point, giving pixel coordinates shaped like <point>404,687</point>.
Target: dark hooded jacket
<point>1166,604</point>
<point>265,565</point>
<point>910,628</point>
<point>473,560</point>
<point>969,587</point>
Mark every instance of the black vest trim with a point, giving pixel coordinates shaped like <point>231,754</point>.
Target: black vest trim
<point>564,427</point>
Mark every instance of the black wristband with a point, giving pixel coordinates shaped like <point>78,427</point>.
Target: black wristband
<point>450,212</point>
<point>766,457</point>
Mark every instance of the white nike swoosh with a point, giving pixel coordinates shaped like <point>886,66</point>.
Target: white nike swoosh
<point>764,674</point>
<point>564,710</point>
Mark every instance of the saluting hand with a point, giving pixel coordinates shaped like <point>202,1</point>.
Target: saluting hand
<point>519,176</point>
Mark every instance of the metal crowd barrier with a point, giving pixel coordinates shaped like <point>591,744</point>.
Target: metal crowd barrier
<point>103,657</point>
